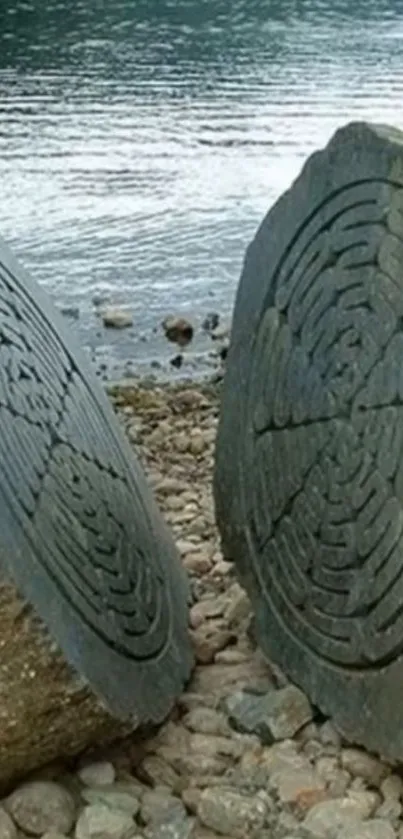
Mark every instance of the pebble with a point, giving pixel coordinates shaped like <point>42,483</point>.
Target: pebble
<point>99,822</point>
<point>8,829</point>
<point>97,774</point>
<point>392,787</point>
<point>114,318</point>
<point>340,814</point>
<point>275,716</point>
<point>116,797</point>
<point>40,806</point>
<point>230,813</point>
<point>361,764</point>
<point>241,755</point>
<point>374,829</point>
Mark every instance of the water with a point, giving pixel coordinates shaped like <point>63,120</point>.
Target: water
<point>142,142</point>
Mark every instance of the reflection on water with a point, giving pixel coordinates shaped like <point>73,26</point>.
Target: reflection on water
<point>141,143</point>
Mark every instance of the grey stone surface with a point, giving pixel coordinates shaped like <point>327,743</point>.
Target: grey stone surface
<point>309,458</point>
<point>81,535</point>
<point>39,806</point>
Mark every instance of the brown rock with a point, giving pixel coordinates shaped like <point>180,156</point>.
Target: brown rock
<point>208,639</point>
<point>178,330</point>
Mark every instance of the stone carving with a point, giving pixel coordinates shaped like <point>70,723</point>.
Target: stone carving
<point>309,472</point>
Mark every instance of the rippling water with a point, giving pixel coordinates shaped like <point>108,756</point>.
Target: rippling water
<point>142,142</point>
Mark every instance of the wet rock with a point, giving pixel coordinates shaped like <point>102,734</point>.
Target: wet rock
<point>97,774</point>
<point>8,829</point>
<point>276,715</point>
<point>177,361</point>
<point>114,318</point>
<point>363,765</point>
<point>211,322</point>
<point>231,813</point>
<point>40,806</point>
<point>221,333</point>
<point>178,330</point>
<point>72,312</point>
<point>99,822</point>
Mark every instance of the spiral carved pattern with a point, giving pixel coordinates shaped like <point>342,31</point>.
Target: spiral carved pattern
<point>323,483</point>
<point>66,481</point>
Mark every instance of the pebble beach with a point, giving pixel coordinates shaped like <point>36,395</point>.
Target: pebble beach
<point>243,754</point>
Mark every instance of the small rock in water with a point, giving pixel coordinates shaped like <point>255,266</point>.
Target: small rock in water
<point>178,330</point>
<point>72,312</point>
<point>97,774</point>
<point>99,822</point>
<point>230,813</point>
<point>276,715</point>
<point>8,829</point>
<point>211,321</point>
<point>116,318</point>
<point>42,806</point>
<point>177,361</point>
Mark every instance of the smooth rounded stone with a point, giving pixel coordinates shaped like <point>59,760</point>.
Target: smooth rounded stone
<point>277,715</point>
<point>374,829</point>
<point>337,814</point>
<point>114,318</point>
<point>231,813</point>
<point>159,805</point>
<point>99,822</point>
<point>40,806</point>
<point>97,774</point>
<point>207,721</point>
<point>392,787</point>
<point>178,828</point>
<point>361,764</point>
<point>307,406</point>
<point>8,829</point>
<point>116,797</point>
<point>390,810</point>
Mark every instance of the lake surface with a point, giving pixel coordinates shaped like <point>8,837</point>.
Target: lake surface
<point>142,142</point>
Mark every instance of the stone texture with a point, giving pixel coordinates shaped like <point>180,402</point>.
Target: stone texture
<point>230,813</point>
<point>99,822</point>
<point>97,774</point>
<point>8,829</point>
<point>41,806</point>
<point>276,715</point>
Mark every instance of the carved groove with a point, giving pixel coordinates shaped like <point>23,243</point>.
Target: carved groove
<point>325,470</point>
<point>68,485</point>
